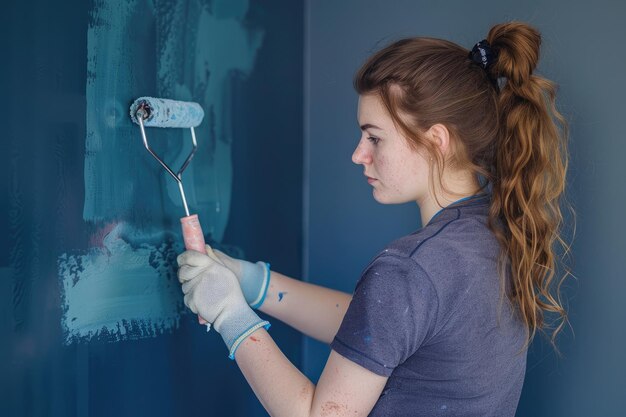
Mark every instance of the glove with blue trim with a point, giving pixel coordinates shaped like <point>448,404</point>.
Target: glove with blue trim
<point>254,278</point>
<point>213,292</point>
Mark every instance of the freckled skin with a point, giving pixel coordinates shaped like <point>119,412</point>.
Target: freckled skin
<point>332,408</point>
<point>400,171</point>
<point>305,392</point>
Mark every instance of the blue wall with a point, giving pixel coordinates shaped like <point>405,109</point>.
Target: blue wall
<point>583,52</point>
<point>88,218</point>
<point>52,101</point>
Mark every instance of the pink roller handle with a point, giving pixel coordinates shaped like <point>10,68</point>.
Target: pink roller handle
<point>192,233</point>
<point>194,239</point>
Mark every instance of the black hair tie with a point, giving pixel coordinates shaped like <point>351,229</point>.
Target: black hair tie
<point>482,54</point>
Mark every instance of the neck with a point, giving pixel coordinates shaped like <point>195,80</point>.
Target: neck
<point>461,187</point>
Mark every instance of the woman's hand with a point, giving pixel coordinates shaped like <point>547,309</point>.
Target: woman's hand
<point>253,277</point>
<point>213,292</point>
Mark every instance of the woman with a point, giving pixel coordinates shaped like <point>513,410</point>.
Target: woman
<point>440,320</point>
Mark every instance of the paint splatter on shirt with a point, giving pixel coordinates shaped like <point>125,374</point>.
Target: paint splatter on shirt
<point>426,313</point>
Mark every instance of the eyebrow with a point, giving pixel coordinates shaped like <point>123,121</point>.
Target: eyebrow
<point>370,126</point>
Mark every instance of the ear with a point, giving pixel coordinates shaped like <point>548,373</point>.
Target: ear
<point>441,137</point>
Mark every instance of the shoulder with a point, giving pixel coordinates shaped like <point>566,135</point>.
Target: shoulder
<point>444,245</point>
<point>393,272</point>
<point>453,256</point>
<point>393,310</point>
<point>442,234</point>
<point>394,283</point>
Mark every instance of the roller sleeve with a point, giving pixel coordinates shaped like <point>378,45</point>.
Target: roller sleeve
<point>161,112</point>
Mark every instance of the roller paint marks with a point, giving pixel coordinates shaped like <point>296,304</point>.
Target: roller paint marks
<point>123,286</point>
<point>281,295</point>
<point>123,290</point>
<point>222,55</point>
<point>201,50</point>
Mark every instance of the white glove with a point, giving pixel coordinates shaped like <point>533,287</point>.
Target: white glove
<point>213,292</point>
<point>254,278</point>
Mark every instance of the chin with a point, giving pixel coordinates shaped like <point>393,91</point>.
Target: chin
<point>387,199</point>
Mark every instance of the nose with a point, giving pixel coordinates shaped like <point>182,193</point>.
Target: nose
<point>361,154</point>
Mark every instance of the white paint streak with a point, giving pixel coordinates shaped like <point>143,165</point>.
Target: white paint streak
<point>120,292</point>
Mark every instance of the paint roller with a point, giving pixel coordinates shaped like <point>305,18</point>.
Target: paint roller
<point>159,112</point>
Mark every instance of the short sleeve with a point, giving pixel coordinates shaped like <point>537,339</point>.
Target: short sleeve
<point>392,312</point>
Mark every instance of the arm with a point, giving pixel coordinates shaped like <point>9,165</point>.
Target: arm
<point>295,302</point>
<point>213,292</point>
<point>344,388</point>
<point>289,300</point>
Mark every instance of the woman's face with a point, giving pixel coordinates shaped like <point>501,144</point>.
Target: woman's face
<point>396,171</point>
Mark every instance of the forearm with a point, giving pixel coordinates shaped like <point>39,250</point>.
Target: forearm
<point>314,310</point>
<point>278,384</point>
<point>214,292</point>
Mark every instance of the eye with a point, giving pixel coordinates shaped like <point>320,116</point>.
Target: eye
<point>373,139</point>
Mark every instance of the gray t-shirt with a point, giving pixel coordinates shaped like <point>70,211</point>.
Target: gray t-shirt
<point>427,312</point>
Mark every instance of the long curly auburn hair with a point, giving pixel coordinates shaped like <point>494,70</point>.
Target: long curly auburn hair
<point>506,129</point>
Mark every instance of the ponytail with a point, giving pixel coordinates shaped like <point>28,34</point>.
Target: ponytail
<point>529,169</point>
